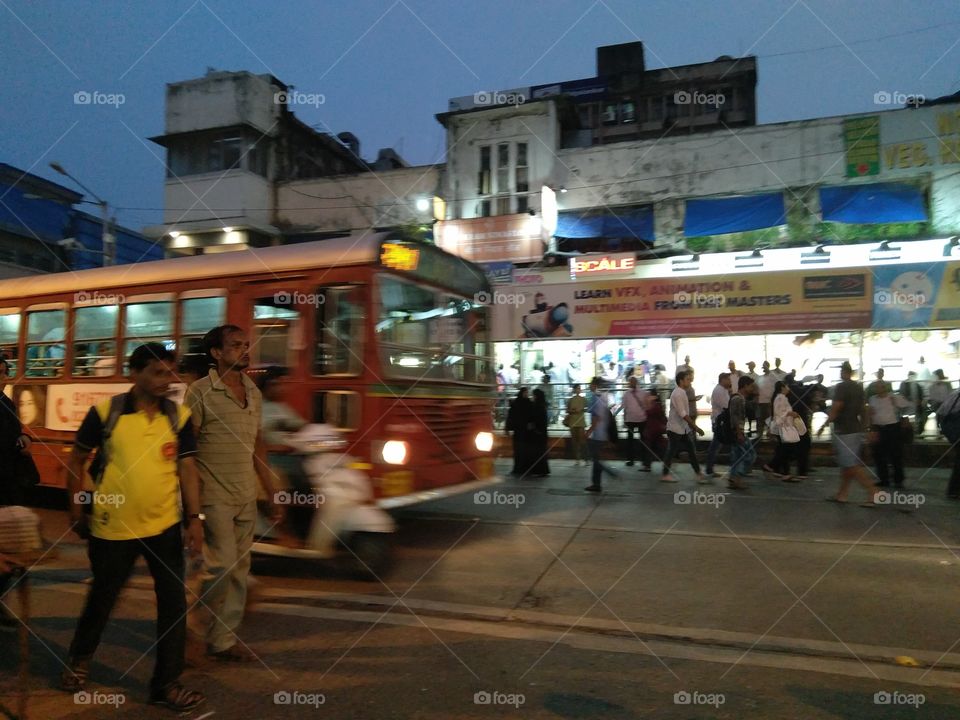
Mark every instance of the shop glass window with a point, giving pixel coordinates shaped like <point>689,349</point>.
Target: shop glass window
<point>10,339</point>
<point>94,340</point>
<point>197,317</point>
<point>275,325</point>
<point>609,115</point>
<point>148,322</point>
<point>340,324</point>
<point>46,348</point>
<point>628,112</point>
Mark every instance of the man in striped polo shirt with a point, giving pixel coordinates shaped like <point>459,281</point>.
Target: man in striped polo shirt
<point>225,407</point>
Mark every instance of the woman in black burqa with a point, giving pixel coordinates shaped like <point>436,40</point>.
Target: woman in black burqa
<point>538,435</point>
<point>519,419</point>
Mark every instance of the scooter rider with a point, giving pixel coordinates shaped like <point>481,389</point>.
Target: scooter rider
<point>277,420</point>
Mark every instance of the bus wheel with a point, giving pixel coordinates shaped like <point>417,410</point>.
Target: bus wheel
<point>371,554</point>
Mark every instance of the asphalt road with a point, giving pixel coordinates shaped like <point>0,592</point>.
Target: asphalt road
<point>765,604</point>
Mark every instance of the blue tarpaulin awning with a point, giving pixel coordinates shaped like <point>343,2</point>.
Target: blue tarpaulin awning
<point>719,216</point>
<point>874,203</point>
<point>632,223</point>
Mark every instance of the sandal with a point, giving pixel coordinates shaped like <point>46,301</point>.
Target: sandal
<point>868,504</point>
<point>73,679</point>
<point>835,499</point>
<point>177,698</point>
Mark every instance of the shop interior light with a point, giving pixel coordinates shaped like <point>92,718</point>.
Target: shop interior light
<point>948,248</point>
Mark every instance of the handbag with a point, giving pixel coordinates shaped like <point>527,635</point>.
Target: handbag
<point>800,425</point>
<point>789,434</point>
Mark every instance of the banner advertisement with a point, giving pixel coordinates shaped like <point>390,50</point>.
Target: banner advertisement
<point>67,405</point>
<point>704,305</point>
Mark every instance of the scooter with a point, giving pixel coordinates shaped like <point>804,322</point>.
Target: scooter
<point>344,521</point>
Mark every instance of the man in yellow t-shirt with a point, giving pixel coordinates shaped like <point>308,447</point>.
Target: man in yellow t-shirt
<point>149,470</point>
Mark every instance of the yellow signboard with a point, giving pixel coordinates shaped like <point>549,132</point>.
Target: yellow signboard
<point>399,257</point>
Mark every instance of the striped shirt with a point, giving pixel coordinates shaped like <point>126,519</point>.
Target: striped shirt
<point>226,435</point>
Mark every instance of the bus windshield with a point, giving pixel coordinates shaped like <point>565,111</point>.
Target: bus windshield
<point>426,333</point>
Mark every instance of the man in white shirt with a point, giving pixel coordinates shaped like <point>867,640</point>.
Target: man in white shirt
<point>719,400</point>
<point>777,372</point>
<point>751,402</point>
<point>885,409</point>
<point>765,387</point>
<point>734,374</point>
<point>680,426</point>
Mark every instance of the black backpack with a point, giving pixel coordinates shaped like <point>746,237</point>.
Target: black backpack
<point>613,434</point>
<point>723,428</point>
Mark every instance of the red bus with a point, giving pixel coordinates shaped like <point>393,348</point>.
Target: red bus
<point>383,338</point>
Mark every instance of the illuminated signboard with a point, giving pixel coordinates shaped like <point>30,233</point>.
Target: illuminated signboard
<point>399,257</point>
<point>615,264</point>
<point>433,265</point>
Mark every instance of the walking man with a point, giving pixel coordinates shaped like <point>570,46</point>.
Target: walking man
<point>848,413</point>
<point>765,386</point>
<point>598,435</point>
<point>742,453</point>
<point>226,407</point>
<point>147,472</point>
<point>680,428</point>
<point>719,401</point>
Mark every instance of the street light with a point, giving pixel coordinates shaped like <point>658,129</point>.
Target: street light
<point>106,238</point>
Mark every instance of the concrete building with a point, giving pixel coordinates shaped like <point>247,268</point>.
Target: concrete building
<point>244,171</point>
<point>42,231</point>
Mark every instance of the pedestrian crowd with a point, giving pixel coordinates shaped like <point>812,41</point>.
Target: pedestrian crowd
<point>746,407</point>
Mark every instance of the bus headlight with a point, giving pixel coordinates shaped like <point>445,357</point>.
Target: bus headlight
<point>484,441</point>
<point>394,452</point>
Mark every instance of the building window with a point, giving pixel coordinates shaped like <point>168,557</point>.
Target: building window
<point>484,208</point>
<point>609,116</point>
<point>521,184</point>
<point>523,203</point>
<point>628,112</point>
<point>483,177</point>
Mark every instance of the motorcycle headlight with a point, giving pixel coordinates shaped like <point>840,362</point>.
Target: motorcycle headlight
<point>395,452</point>
<point>484,441</point>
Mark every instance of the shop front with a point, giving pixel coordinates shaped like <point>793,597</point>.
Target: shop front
<point>895,316</point>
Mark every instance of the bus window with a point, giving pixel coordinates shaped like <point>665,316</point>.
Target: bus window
<point>46,330</point>
<point>340,408</point>
<point>148,322</point>
<point>10,337</point>
<point>94,346</point>
<point>339,331</point>
<point>274,329</point>
<point>198,316</point>
<point>423,333</point>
